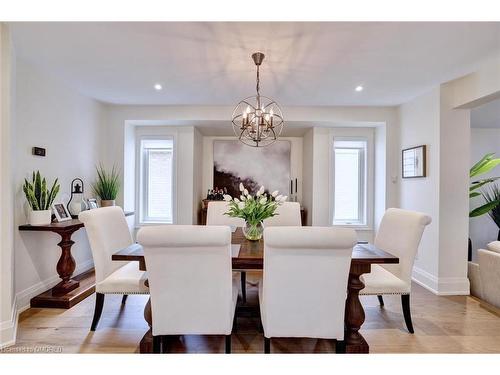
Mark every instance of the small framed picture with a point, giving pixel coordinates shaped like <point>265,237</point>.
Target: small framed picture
<point>61,212</point>
<point>92,203</point>
<point>414,162</point>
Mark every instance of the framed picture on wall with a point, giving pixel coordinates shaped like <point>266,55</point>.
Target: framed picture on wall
<point>414,162</point>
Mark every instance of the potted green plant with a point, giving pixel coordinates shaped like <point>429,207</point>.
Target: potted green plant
<point>254,209</point>
<point>485,165</point>
<point>40,199</point>
<point>491,195</point>
<point>107,185</point>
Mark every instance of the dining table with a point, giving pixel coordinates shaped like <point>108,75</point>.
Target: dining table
<point>250,257</point>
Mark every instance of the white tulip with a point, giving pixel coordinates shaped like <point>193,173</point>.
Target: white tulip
<point>241,205</point>
<point>236,200</point>
<point>258,194</point>
<point>284,198</point>
<point>278,198</point>
<point>275,193</point>
<point>261,190</point>
<point>263,200</point>
<point>227,197</point>
<point>241,187</point>
<point>242,197</point>
<point>245,192</point>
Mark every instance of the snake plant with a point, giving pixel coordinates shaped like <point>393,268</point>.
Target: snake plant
<point>39,198</point>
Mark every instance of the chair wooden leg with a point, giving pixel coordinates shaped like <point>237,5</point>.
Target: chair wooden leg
<point>99,303</point>
<point>405,302</point>
<point>228,344</point>
<point>340,347</point>
<point>164,343</point>
<point>244,286</point>
<point>380,300</point>
<point>124,299</point>
<point>267,345</point>
<point>157,344</point>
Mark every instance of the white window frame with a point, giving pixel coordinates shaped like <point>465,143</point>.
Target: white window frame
<point>367,174</point>
<point>141,175</point>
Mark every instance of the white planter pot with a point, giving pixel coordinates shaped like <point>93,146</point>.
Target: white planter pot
<point>42,217</point>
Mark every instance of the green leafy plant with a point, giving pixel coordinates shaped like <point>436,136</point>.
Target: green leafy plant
<point>37,195</point>
<point>107,184</point>
<point>492,195</point>
<point>485,165</point>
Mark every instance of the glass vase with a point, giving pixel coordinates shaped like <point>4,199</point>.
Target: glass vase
<point>253,232</point>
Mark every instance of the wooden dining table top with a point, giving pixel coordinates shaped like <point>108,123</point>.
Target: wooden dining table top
<point>251,254</point>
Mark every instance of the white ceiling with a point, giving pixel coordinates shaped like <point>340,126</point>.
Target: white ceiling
<point>209,63</point>
<point>486,116</point>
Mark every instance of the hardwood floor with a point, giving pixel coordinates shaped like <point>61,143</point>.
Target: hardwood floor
<point>456,324</point>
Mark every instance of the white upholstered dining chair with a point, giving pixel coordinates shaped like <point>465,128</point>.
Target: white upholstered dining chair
<point>399,234</point>
<point>190,280</point>
<point>288,214</point>
<point>215,216</point>
<point>108,232</point>
<point>304,286</point>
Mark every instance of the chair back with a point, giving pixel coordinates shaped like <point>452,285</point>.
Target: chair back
<point>190,278</point>
<point>215,215</point>
<point>400,233</point>
<point>108,232</point>
<point>288,215</point>
<point>304,285</point>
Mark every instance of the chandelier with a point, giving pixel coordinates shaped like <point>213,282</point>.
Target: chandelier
<point>257,120</point>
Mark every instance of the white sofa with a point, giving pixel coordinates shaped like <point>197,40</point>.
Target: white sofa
<point>484,276</point>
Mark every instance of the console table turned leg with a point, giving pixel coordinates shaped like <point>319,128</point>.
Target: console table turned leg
<point>66,265</point>
<point>354,312</point>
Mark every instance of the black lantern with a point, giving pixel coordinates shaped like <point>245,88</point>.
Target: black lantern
<point>76,203</point>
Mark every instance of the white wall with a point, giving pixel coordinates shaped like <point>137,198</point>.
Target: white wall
<point>431,119</point>
<point>419,125</point>
<point>67,124</point>
<point>482,229</point>
<point>7,132</point>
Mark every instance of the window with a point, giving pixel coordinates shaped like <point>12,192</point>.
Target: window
<point>350,182</point>
<point>156,188</point>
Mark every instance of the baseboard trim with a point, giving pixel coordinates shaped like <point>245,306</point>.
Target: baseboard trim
<point>442,286</point>
<point>8,329</point>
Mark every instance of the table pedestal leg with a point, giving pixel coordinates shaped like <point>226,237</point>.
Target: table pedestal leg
<point>354,313</point>
<point>146,345</point>
<point>66,265</point>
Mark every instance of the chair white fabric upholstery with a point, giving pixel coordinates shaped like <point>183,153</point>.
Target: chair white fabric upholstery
<point>190,279</point>
<point>215,215</point>
<point>108,232</point>
<point>303,290</point>
<point>399,234</point>
<point>288,214</point>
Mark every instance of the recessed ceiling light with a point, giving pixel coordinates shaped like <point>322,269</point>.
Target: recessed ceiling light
<point>158,87</point>
<point>359,88</point>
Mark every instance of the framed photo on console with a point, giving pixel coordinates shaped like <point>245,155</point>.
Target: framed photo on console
<point>414,162</point>
<point>61,212</point>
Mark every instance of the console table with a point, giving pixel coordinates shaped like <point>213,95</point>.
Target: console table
<point>70,290</point>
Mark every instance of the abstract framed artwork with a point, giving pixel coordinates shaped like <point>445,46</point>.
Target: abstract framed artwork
<point>414,162</point>
<point>235,162</point>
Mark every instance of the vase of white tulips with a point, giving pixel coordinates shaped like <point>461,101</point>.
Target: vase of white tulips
<point>254,209</point>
